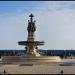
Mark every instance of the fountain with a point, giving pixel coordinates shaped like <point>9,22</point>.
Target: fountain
<point>31,44</point>
<point>31,56</point>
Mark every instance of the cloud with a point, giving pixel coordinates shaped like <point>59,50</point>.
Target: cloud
<point>56,5</point>
<point>56,27</point>
<point>55,22</point>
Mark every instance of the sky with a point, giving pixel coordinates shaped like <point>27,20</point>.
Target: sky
<point>55,22</point>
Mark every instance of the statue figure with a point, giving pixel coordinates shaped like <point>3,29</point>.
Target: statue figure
<point>31,24</point>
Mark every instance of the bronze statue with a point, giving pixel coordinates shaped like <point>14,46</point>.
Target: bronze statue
<point>31,24</point>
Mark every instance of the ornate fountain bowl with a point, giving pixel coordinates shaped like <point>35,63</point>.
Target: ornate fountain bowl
<point>31,42</point>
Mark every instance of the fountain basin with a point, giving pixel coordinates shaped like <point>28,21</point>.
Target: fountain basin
<point>30,59</point>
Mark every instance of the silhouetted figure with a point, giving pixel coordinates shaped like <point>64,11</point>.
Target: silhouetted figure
<point>61,72</point>
<point>26,49</point>
<point>4,72</point>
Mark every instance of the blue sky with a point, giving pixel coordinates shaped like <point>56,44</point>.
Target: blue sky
<point>55,22</point>
<point>15,6</point>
